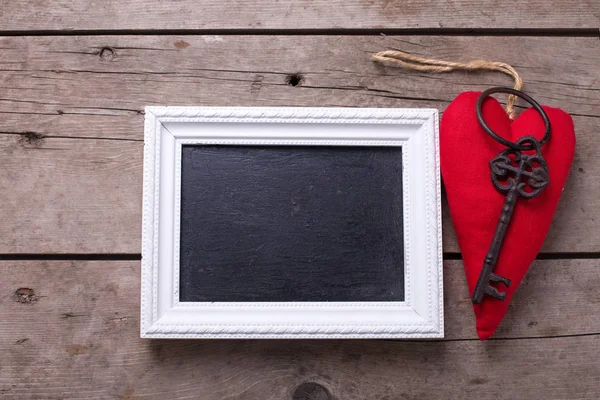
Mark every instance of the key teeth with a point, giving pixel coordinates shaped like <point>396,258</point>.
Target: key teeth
<point>489,290</point>
<point>500,279</point>
<point>493,292</point>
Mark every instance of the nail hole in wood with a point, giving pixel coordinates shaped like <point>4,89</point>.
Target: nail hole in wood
<point>107,54</point>
<point>294,79</point>
<point>311,391</point>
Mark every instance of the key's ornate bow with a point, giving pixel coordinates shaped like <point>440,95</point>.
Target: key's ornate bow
<point>528,172</point>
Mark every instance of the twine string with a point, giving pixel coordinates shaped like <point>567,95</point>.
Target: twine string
<point>409,61</point>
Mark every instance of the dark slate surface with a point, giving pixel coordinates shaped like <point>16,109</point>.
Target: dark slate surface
<point>291,224</point>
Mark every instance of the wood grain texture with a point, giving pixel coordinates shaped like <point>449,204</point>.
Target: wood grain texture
<point>69,329</point>
<point>82,189</point>
<point>71,116</point>
<point>65,15</point>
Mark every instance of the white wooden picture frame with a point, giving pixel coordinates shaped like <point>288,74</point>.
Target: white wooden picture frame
<point>415,130</point>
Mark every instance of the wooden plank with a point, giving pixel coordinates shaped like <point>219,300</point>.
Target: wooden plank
<point>111,76</point>
<point>65,15</point>
<point>69,329</point>
<point>85,194</point>
<point>557,298</point>
<point>59,90</point>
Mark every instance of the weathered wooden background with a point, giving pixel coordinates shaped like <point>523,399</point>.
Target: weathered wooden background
<point>74,78</point>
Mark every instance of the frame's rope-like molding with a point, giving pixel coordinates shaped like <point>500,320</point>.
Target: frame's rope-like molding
<point>286,115</point>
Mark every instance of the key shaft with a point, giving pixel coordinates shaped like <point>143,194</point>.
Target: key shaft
<point>491,257</point>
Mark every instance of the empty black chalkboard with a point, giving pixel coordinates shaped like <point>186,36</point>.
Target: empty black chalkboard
<point>291,223</point>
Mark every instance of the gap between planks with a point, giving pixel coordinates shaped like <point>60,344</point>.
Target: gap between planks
<point>137,256</point>
<point>527,32</point>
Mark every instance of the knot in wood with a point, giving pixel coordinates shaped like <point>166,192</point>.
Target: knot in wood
<point>107,54</point>
<point>311,391</point>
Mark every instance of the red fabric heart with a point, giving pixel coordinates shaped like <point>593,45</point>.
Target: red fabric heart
<point>475,205</point>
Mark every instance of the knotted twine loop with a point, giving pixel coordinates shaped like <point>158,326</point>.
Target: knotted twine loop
<point>409,61</point>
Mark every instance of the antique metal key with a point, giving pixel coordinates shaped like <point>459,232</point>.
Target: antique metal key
<point>514,174</point>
